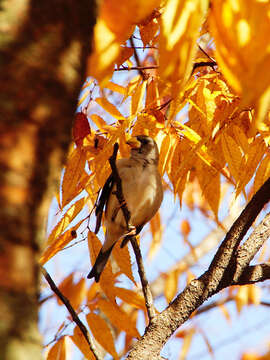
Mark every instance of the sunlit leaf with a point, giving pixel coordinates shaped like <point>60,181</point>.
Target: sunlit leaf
<point>123,260</point>
<point>131,297</point>
<point>71,185</point>
<point>102,333</point>
<point>118,317</point>
<point>81,343</point>
<point>58,350</point>
<point>156,231</point>
<point>242,49</point>
<point>109,107</point>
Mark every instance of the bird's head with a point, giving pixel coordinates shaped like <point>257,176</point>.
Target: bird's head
<point>144,147</point>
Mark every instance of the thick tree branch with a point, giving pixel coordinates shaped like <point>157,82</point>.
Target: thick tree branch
<point>119,193</point>
<point>219,275</point>
<point>72,312</point>
<point>251,246</point>
<point>253,274</point>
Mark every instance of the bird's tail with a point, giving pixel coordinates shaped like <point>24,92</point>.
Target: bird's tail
<point>100,263</point>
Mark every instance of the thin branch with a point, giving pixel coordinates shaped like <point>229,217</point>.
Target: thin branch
<point>72,312</point>
<point>126,68</point>
<point>145,285</point>
<point>136,56</point>
<point>119,193</point>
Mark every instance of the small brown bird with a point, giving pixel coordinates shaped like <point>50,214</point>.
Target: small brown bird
<point>142,191</point>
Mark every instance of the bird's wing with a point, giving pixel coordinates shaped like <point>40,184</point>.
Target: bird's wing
<point>102,201</point>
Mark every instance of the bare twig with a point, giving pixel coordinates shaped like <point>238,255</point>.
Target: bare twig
<point>136,56</point>
<point>126,68</point>
<point>119,193</point>
<point>145,285</point>
<point>72,312</point>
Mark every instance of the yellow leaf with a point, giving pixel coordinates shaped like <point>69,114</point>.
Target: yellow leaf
<point>156,230</point>
<point>209,180</point>
<point>106,49</point>
<point>152,95</point>
<point>98,121</point>
<point>225,312</point>
<point>254,294</point>
<point>241,297</point>
<point>59,243</point>
<point>107,278</point>
<point>82,97</point>
<point>232,154</point>
<point>81,343</point>
<point>70,215</point>
<point>102,333</point>
<point>71,185</point>
<point>180,24</point>
<point>58,350</point>
<point>137,98</point>
<point>109,107</point>
<point>242,49</point>
<point>130,297</point>
<point>262,174</point>
<point>171,285</point>
<point>165,153</point>
<point>116,88</point>
<point>253,157</point>
<point>122,258</point>
<point>186,344</point>
<point>118,317</point>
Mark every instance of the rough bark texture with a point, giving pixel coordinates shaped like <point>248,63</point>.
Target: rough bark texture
<point>43,50</point>
<point>224,270</point>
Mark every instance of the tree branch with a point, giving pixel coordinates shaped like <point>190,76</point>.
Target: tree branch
<point>72,312</point>
<point>218,276</point>
<point>253,274</point>
<point>251,246</point>
<point>119,193</point>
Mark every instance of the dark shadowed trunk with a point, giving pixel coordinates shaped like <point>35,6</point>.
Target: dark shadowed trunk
<point>43,51</point>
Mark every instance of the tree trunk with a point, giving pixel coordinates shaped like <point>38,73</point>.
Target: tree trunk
<point>44,45</point>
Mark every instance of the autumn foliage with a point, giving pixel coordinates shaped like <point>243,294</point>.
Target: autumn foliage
<point>194,75</point>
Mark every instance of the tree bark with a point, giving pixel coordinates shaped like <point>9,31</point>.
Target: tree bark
<point>44,46</point>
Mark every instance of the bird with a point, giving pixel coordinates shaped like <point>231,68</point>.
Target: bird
<point>143,194</point>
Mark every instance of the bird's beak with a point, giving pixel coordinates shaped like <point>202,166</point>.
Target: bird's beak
<point>134,143</point>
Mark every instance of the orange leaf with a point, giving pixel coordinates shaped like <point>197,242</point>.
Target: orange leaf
<point>156,230</point>
<point>122,258</point>
<point>262,174</point>
<point>241,297</point>
<point>58,350</point>
<point>137,98</point>
<point>81,343</point>
<point>107,278</point>
<point>125,53</point>
<point>60,242</point>
<point>102,333</point>
<point>130,297</point>
<point>118,317</point>
<point>68,217</point>
<point>232,154</point>
<point>71,186</point>
<point>109,107</point>
<point>171,285</point>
